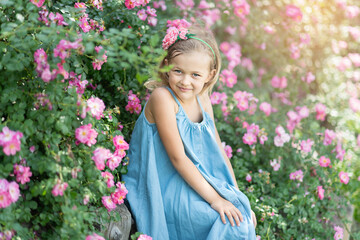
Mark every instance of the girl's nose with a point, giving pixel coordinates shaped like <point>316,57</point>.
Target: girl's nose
<point>186,80</point>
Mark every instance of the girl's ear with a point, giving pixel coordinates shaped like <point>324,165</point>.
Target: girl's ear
<point>211,75</point>
<point>166,62</point>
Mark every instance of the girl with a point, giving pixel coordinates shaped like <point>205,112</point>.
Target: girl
<point>180,182</point>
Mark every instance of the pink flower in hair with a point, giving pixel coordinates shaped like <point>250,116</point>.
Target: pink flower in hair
<point>170,38</point>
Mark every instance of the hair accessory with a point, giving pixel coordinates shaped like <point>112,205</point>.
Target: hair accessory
<point>203,42</point>
<point>175,34</point>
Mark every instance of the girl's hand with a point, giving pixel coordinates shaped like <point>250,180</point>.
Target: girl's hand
<point>253,218</point>
<point>224,207</point>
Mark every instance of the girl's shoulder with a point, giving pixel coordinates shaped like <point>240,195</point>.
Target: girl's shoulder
<point>160,98</point>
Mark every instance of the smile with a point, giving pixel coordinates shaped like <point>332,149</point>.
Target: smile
<point>184,89</point>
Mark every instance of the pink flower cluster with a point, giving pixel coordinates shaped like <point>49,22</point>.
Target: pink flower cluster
<point>297,175</point>
<point>7,235</point>
<point>10,141</point>
<point>339,233</point>
<point>96,107</point>
<point>59,188</point>
<point>275,164</point>
<point>324,161</point>
<point>253,132</point>
<point>144,237</point>
<point>228,77</point>
<point>130,4</point>
<point>320,192</point>
<point>217,98</point>
<point>109,178</point>
<point>150,14</point>
<point>232,52</point>
<point>116,198</point>
<point>228,150</point>
<point>354,104</point>
<point>320,111</point>
<point>281,136</point>
<point>64,47</point>
<point>56,18</point>
<point>100,154</point>
<point>241,8</point>
<point>75,81</point>
<point>97,4</point>
<point>94,236</point>
<point>22,173</point>
<point>279,82</point>
<point>84,19</point>
<point>160,4</point>
<point>85,134</point>
<point>208,15</point>
<point>185,5</point>
<point>42,101</point>
<point>330,135</point>
<point>308,78</point>
<point>344,177</point>
<point>133,103</point>
<point>294,118</point>
<point>294,12</point>
<point>97,63</point>
<point>43,67</point>
<point>340,152</point>
<point>9,193</point>
<point>245,101</point>
<point>37,3</point>
<point>266,108</point>
<point>305,145</point>
<point>172,35</point>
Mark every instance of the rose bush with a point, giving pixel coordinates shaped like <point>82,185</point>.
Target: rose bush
<point>286,107</point>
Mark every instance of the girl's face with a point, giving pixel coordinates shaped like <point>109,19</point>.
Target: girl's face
<point>190,73</point>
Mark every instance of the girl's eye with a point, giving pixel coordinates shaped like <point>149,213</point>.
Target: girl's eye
<point>177,71</point>
<point>196,75</point>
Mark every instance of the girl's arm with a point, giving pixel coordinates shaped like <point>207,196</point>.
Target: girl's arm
<point>205,100</point>
<point>163,109</point>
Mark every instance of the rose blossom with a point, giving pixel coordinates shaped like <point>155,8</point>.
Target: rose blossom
<point>344,177</point>
<point>324,161</point>
<point>94,237</point>
<point>144,237</point>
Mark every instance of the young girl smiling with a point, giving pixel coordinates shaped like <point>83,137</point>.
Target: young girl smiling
<point>181,183</point>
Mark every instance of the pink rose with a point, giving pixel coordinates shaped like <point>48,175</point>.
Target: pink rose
<point>324,161</point>
<point>344,177</point>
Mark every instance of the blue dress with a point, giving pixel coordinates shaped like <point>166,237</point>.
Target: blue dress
<point>163,204</point>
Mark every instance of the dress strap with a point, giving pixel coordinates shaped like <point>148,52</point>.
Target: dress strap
<point>202,109</point>
<point>173,94</point>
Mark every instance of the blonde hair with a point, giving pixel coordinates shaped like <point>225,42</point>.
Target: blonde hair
<point>186,46</point>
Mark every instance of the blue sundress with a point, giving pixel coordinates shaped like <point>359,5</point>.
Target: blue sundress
<point>164,206</point>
